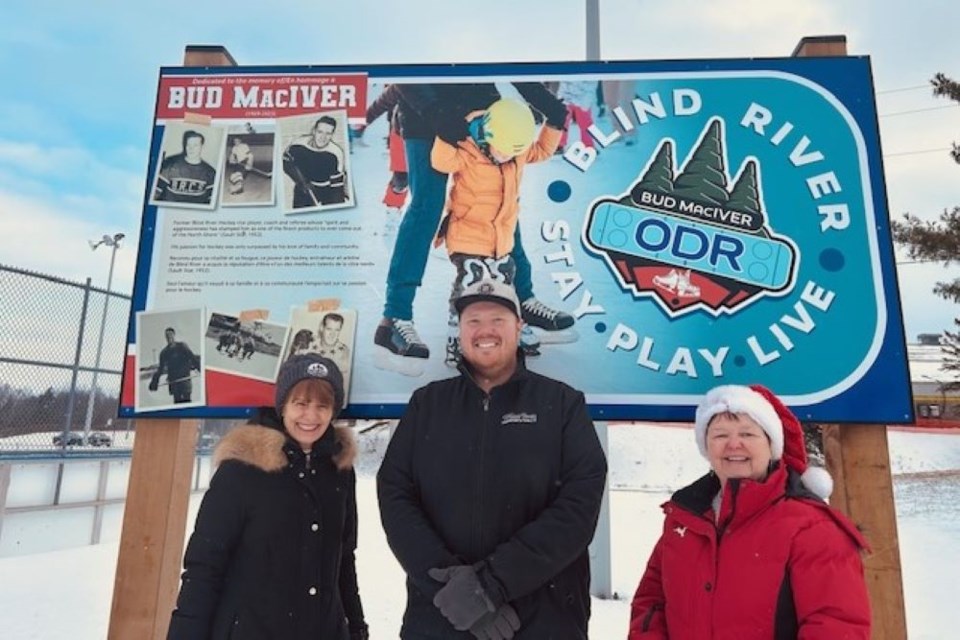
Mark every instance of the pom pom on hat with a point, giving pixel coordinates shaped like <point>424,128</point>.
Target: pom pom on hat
<point>777,421</point>
<point>818,480</point>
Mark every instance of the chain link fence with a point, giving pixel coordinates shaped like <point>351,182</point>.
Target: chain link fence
<point>58,395</point>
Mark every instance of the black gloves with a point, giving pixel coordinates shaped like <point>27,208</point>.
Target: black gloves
<point>452,128</point>
<point>541,99</point>
<point>555,113</point>
<point>499,625</point>
<point>153,385</point>
<point>462,600</point>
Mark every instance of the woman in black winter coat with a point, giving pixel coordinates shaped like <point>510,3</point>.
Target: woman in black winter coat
<point>272,552</point>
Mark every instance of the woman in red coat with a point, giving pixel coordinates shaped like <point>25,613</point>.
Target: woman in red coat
<point>751,551</point>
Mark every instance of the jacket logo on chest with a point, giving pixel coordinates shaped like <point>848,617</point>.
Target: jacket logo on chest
<point>680,531</point>
<point>518,418</point>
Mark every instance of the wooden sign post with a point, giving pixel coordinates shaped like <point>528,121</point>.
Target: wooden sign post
<point>859,461</point>
<point>158,495</point>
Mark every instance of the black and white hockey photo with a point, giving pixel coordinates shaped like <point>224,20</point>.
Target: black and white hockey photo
<point>190,159</point>
<point>169,359</point>
<point>315,156</point>
<point>250,349</point>
<point>248,175</point>
<point>329,333</point>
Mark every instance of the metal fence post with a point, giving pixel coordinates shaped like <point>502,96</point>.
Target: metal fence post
<point>68,423</point>
<point>101,496</point>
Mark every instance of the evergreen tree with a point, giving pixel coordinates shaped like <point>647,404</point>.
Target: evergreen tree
<point>945,87</point>
<point>745,195</point>
<point>951,351</point>
<point>938,241</point>
<point>704,178</point>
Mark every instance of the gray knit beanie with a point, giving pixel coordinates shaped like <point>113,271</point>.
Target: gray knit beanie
<point>308,365</point>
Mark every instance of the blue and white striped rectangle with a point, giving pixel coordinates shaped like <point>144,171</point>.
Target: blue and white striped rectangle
<point>763,262</point>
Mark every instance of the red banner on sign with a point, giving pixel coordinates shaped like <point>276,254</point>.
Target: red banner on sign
<point>261,96</point>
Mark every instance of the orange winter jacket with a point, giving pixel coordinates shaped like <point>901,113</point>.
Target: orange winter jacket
<point>484,201</point>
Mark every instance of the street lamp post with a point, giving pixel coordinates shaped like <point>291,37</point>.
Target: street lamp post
<point>114,243</point>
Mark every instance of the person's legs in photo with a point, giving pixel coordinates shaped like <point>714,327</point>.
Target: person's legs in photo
<point>555,324</point>
<point>396,332</point>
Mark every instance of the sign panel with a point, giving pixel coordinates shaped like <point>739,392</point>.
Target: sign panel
<point>695,223</point>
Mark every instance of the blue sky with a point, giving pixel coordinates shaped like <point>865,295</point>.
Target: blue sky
<point>79,82</point>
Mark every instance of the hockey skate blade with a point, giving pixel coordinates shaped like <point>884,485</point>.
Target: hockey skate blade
<point>386,360</point>
<point>564,336</point>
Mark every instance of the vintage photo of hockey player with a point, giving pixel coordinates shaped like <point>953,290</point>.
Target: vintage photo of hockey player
<point>250,349</point>
<point>188,165</point>
<point>248,170</point>
<point>315,156</point>
<point>169,359</point>
<point>329,333</point>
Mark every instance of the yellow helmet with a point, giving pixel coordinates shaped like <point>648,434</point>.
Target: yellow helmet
<point>508,127</point>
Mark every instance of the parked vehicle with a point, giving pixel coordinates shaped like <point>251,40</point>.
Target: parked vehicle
<point>99,439</point>
<point>74,439</point>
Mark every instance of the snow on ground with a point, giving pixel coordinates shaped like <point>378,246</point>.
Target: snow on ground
<point>67,594</point>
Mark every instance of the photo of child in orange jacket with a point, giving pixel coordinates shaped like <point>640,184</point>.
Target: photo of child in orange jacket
<point>486,170</point>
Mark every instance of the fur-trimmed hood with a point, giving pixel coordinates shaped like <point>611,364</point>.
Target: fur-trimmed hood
<point>262,447</point>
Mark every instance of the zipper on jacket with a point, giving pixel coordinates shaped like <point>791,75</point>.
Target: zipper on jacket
<point>478,519</point>
<point>722,527</point>
<point>480,472</point>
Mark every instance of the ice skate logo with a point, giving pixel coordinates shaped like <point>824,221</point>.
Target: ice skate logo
<point>687,241</point>
<point>677,283</point>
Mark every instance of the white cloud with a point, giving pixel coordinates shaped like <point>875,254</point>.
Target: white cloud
<point>73,179</point>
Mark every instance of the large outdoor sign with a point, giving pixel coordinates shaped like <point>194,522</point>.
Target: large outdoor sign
<point>699,223</point>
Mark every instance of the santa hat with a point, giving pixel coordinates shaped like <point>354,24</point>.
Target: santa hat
<point>776,420</point>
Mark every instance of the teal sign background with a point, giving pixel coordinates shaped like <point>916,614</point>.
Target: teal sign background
<point>822,328</point>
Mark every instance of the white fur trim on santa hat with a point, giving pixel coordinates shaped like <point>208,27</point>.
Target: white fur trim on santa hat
<point>733,398</point>
<point>818,480</point>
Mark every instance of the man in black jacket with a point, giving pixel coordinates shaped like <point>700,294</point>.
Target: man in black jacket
<point>490,490</point>
<point>177,361</point>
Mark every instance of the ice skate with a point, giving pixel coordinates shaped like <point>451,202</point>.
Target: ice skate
<point>536,314</point>
<point>684,287</point>
<point>398,348</point>
<point>551,326</point>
